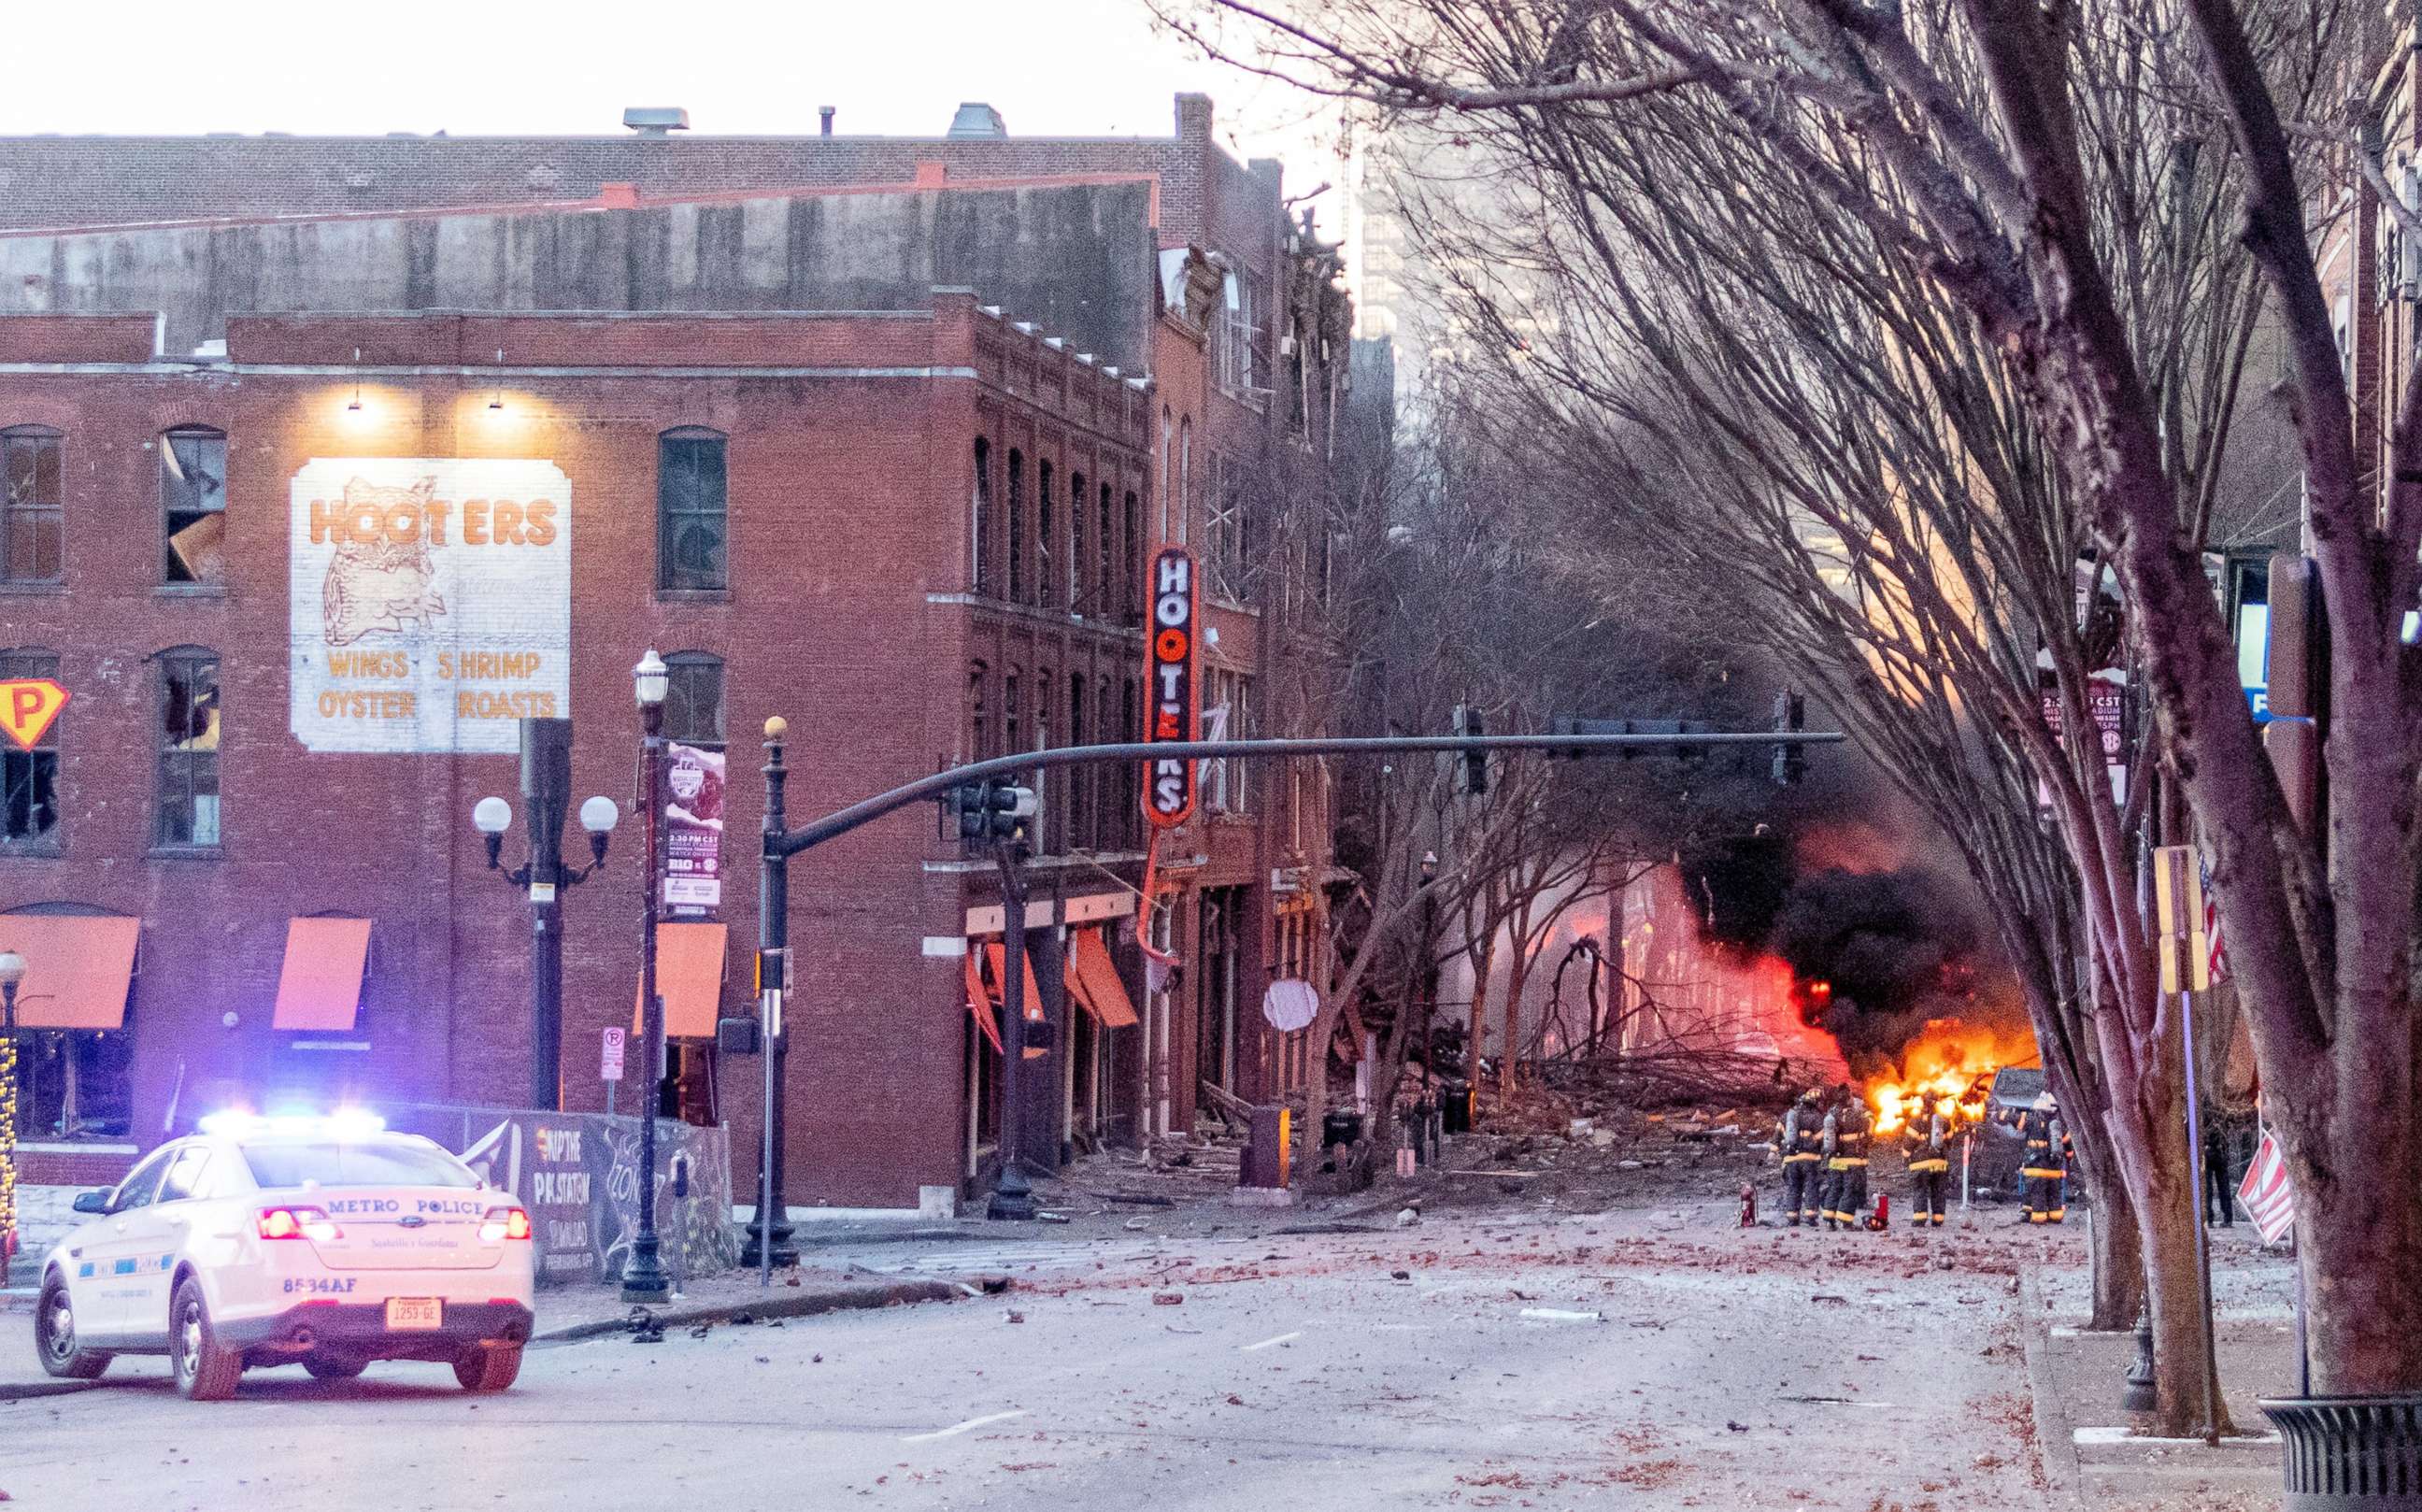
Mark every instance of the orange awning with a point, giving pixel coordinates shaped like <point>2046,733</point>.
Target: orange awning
<point>319,987</point>
<point>690,977</point>
<point>980,1001</point>
<point>1104,994</point>
<point>77,968</point>
<point>997,957</point>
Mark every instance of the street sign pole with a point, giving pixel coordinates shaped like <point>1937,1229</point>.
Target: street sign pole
<point>2186,968</point>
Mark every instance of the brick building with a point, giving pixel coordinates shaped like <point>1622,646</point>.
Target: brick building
<point>909,518</point>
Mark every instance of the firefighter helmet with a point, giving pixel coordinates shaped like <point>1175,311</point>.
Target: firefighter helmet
<point>2045,1103</point>
<point>1810,1094</point>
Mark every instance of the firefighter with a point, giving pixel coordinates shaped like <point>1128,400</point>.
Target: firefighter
<point>1801,1142</point>
<point>1845,1161</point>
<point>1926,1140</point>
<point>2046,1165</point>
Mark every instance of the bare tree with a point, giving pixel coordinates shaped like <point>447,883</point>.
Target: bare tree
<point>1964,136</point>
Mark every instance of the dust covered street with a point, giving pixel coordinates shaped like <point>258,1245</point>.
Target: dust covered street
<point>1647,1358</point>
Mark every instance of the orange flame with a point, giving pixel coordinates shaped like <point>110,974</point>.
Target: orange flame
<point>1951,1061</point>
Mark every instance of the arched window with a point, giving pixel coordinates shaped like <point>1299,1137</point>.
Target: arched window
<point>982,530</point>
<point>691,519</point>
<point>1107,551</point>
<point>980,743</point>
<point>1080,572</point>
<point>1046,587</point>
<point>1168,469</point>
<point>33,512</point>
<point>193,504</point>
<point>187,812</point>
<point>693,697</point>
<point>1016,527</point>
<point>1131,564</point>
<point>29,780</point>
<point>1080,779</point>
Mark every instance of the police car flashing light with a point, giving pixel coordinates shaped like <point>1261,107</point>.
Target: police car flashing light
<point>323,1241</point>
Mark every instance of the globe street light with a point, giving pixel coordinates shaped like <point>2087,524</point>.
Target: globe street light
<point>12,970</point>
<point>546,782</point>
<point>643,1273</point>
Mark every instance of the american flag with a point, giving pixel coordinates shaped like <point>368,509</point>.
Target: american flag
<point>2216,948</point>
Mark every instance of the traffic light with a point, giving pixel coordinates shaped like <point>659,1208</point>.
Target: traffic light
<point>990,810</point>
<point>1474,764</point>
<point>1791,756</point>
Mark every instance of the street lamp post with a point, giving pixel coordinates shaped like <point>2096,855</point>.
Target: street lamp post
<point>12,970</point>
<point>1011,1198</point>
<point>643,1272</point>
<point>546,783</point>
<point>769,1242</point>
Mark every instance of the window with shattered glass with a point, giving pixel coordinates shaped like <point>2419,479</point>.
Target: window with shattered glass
<point>193,504</point>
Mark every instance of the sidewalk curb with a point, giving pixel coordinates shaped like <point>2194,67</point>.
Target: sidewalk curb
<point>2055,1448</point>
<point>801,1302</point>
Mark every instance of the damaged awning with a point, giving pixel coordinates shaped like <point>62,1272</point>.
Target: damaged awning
<point>320,985</point>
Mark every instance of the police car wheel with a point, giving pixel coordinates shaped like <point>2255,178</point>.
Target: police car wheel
<point>334,1367</point>
<point>488,1367</point>
<point>55,1335</point>
<point>206,1370</point>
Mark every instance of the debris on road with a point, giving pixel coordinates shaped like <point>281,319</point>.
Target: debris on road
<point>1562,1314</point>
<point>1408,1218</point>
<point>1168,1299</point>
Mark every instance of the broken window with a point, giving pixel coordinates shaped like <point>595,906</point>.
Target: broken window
<point>1081,575</point>
<point>1017,527</point>
<point>29,780</point>
<point>32,514</point>
<point>1106,605</point>
<point>1228,526</point>
<point>693,698</point>
<point>980,746</point>
<point>193,504</point>
<point>1130,564</point>
<point>189,748</point>
<point>1080,779</point>
<point>74,1084</point>
<point>1043,583</point>
<point>691,520</point>
<point>1009,710</point>
<point>982,529</point>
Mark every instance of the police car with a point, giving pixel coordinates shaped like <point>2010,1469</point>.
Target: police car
<point>325,1242</point>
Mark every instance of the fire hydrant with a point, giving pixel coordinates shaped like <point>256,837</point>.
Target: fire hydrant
<point>1748,1206</point>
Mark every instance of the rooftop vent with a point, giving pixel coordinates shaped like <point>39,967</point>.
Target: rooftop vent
<point>656,120</point>
<point>826,112</point>
<point>976,118</point>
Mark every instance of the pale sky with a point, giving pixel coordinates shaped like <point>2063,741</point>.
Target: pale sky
<point>510,68</point>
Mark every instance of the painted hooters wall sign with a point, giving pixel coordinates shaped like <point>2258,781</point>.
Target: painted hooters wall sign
<point>1173,706</point>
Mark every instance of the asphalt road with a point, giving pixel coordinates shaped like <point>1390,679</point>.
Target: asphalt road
<point>1296,1371</point>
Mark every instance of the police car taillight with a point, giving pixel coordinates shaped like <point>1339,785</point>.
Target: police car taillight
<point>295,1223</point>
<point>505,1224</point>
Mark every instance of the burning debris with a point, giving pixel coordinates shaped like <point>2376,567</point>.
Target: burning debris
<point>1884,956</point>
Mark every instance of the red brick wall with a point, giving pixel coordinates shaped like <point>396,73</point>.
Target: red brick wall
<point>847,507</point>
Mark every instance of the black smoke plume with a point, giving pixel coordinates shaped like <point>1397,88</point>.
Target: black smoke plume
<point>1875,954</point>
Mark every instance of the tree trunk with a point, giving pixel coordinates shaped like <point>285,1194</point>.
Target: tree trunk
<point>1481,962</point>
<point>2118,1258</point>
<point>2148,1126</point>
<point>2359,1230</point>
<point>1517,971</point>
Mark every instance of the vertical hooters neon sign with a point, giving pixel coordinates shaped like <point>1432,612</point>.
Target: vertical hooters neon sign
<point>1173,710</point>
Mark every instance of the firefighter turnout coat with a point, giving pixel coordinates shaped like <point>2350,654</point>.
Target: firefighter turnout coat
<point>1926,1140</point>
<point>1801,1142</point>
<point>1846,1165</point>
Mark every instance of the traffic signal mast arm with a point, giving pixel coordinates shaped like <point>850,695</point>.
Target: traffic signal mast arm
<point>1006,768</point>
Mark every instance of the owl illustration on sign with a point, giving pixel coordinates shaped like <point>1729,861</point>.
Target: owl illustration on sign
<point>381,579</point>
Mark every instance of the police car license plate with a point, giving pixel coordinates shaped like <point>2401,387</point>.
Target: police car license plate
<point>406,1313</point>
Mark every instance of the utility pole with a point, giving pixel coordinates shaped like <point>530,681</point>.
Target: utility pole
<point>1011,1198</point>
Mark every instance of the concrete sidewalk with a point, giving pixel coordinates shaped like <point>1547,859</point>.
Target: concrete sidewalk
<point>2096,1455</point>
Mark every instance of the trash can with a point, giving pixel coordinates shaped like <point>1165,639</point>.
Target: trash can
<point>1455,1103</point>
<point>2349,1454</point>
<point>1344,1127</point>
